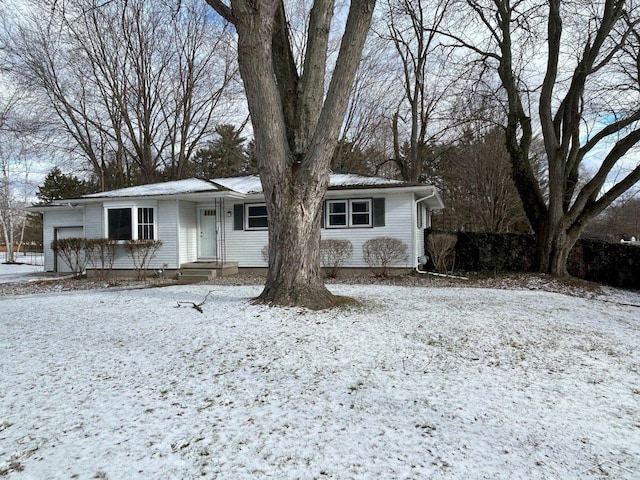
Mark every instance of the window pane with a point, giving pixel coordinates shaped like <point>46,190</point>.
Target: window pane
<point>145,223</point>
<point>359,207</point>
<point>338,220</point>
<point>119,223</point>
<point>337,213</point>
<point>258,222</point>
<point>145,232</point>
<point>338,207</point>
<point>360,219</point>
<point>257,217</point>
<point>360,213</point>
<point>258,211</point>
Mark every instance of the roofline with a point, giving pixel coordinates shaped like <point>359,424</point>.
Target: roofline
<point>225,192</point>
<point>51,206</point>
<point>200,193</point>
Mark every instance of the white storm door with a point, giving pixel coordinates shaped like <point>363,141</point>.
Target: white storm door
<point>207,236</point>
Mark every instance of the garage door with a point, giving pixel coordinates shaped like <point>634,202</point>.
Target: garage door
<point>59,234</point>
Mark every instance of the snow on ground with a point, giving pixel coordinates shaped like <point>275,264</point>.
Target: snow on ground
<point>24,268</point>
<point>437,383</point>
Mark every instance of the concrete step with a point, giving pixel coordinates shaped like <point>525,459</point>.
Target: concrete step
<point>194,272</point>
<point>196,277</point>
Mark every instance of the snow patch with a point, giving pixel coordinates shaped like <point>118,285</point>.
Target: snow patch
<point>418,383</point>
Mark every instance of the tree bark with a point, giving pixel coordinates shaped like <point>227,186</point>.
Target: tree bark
<point>296,133</point>
<point>559,217</point>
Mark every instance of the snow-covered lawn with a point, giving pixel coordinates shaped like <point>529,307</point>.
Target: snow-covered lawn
<point>27,265</point>
<point>420,383</point>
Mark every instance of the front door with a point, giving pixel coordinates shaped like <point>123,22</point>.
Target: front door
<point>207,248</point>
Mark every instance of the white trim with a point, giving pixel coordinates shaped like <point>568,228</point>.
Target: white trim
<point>246,216</point>
<point>130,203</point>
<point>349,213</point>
<point>328,223</point>
<point>178,229</point>
<point>134,217</point>
<point>369,212</point>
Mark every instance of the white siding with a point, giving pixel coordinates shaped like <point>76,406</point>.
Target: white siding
<point>187,232</point>
<point>94,221</point>
<point>167,223</point>
<point>245,247</point>
<point>398,224</point>
<point>177,225</point>
<point>54,219</point>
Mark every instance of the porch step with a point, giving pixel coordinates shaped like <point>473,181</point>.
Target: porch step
<point>196,272</point>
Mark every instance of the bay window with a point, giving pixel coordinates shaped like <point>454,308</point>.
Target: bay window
<point>131,223</point>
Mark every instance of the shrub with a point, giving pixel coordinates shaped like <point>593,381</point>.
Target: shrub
<point>442,248</point>
<point>381,252</point>
<point>101,253</point>
<point>142,252</point>
<point>334,253</point>
<point>72,253</point>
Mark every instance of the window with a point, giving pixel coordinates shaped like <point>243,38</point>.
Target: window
<point>352,213</point>
<point>337,213</point>
<point>360,213</point>
<point>257,216</point>
<point>145,223</point>
<point>127,223</point>
<point>119,223</point>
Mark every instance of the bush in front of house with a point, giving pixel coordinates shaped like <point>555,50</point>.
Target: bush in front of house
<point>382,252</point>
<point>141,252</point>
<point>72,253</point>
<point>442,248</point>
<point>334,253</point>
<point>101,253</point>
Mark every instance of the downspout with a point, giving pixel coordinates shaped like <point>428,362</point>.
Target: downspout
<point>422,259</point>
<point>416,254</point>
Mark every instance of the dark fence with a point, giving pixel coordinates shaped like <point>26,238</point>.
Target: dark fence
<point>595,260</point>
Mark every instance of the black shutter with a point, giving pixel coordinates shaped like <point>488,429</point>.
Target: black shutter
<point>238,217</point>
<point>378,212</point>
<point>322,214</point>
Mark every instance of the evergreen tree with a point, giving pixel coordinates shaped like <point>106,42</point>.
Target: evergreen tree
<point>58,186</point>
<point>222,157</point>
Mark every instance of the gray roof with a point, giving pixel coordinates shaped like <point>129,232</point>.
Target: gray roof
<point>195,188</point>
<point>190,185</point>
<point>246,185</point>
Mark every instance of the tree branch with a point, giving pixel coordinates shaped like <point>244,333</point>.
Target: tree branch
<point>223,10</point>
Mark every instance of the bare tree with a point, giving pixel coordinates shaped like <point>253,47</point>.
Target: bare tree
<point>296,124</point>
<point>365,127</point>
<point>15,166</point>
<point>134,84</point>
<point>412,28</point>
<point>621,220</point>
<point>587,102</point>
<point>480,194</point>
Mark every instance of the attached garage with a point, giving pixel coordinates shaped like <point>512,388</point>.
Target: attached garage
<point>60,233</point>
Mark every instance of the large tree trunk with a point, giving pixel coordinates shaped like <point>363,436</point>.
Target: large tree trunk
<point>294,276</point>
<point>551,248</point>
<point>296,133</point>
